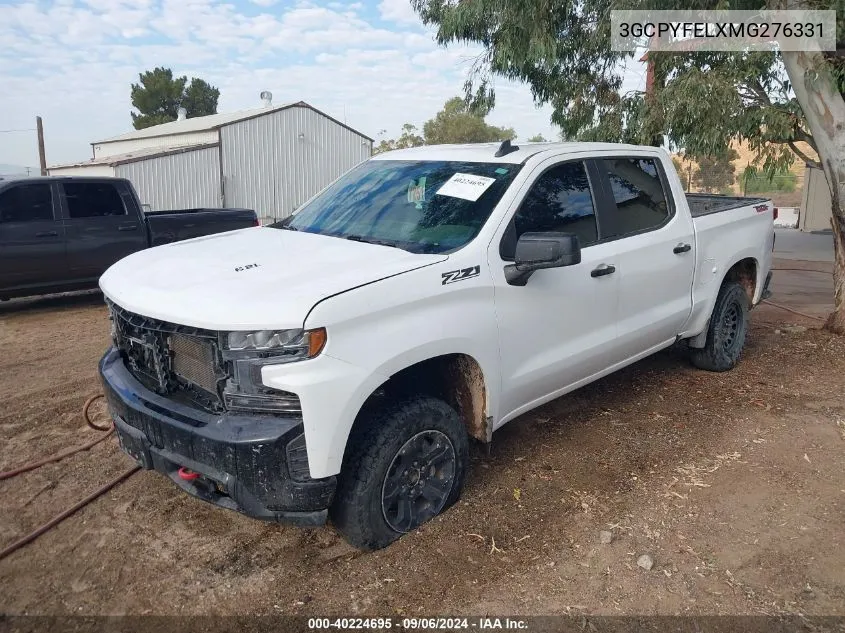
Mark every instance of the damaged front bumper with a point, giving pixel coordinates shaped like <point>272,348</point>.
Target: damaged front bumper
<point>253,464</point>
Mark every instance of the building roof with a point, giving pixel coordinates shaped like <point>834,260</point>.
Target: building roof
<point>485,152</point>
<point>213,122</point>
<point>134,156</point>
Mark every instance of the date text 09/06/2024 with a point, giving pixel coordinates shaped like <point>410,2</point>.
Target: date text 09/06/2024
<point>420,624</point>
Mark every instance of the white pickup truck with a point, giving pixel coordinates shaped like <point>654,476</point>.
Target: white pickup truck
<point>335,364</point>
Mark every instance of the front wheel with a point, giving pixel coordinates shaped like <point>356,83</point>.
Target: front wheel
<point>405,468</point>
<point>726,331</point>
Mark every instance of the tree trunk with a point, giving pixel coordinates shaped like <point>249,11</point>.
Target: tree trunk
<point>836,320</point>
<point>824,111</point>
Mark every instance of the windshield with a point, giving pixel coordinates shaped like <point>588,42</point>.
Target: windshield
<point>419,206</point>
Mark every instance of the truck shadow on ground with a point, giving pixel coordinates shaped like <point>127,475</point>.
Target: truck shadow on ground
<point>639,404</point>
<point>585,450</point>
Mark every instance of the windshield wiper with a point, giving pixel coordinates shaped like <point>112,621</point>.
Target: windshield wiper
<point>371,240</point>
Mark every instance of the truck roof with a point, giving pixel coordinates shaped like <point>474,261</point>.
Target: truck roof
<point>32,180</point>
<point>486,152</point>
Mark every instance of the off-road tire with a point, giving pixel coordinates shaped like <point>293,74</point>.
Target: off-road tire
<point>726,331</point>
<point>357,510</point>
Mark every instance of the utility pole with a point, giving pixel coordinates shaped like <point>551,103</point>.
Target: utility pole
<point>42,158</point>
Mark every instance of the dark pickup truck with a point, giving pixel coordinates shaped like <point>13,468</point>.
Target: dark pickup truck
<point>61,233</point>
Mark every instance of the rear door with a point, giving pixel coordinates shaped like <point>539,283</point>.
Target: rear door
<point>655,245</point>
<point>32,237</point>
<point>99,226</point>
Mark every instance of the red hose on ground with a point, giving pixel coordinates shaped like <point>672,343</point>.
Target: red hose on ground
<point>60,456</point>
<point>54,458</point>
<point>788,309</point>
<point>61,517</point>
<point>803,314</point>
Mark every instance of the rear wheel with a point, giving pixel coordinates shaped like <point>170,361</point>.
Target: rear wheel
<point>726,331</point>
<point>404,469</point>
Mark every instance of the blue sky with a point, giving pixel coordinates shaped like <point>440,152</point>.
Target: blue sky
<point>371,63</point>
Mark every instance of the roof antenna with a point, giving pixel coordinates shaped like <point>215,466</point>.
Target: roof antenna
<point>506,148</point>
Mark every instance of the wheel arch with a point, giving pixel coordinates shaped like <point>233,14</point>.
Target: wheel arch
<point>456,378</point>
<point>746,272</point>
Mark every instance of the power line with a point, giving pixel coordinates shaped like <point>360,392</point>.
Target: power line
<point>28,129</point>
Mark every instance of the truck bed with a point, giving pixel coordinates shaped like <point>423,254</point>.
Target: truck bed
<point>707,203</point>
<point>173,226</point>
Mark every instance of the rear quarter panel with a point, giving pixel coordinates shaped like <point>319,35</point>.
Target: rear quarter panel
<point>722,240</point>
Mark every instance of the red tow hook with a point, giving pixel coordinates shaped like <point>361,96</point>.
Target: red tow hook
<point>187,475</point>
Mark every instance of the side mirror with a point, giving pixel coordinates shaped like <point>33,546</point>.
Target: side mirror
<point>542,250</point>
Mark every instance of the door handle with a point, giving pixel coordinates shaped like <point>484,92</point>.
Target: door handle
<point>681,248</point>
<point>127,227</point>
<point>603,270</point>
<point>47,234</point>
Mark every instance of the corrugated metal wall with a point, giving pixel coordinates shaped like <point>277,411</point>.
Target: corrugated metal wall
<point>116,148</point>
<point>269,168</point>
<point>180,181</point>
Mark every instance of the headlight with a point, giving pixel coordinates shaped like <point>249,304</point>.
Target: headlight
<point>297,344</point>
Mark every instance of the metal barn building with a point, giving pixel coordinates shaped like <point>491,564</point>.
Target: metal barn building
<point>270,159</point>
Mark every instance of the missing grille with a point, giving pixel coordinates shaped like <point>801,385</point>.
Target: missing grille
<point>193,360</point>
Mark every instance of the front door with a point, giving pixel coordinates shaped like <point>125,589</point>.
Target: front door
<point>560,327</point>
<point>32,238</point>
<point>100,230</point>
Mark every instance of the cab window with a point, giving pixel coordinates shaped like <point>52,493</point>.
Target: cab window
<point>637,188</point>
<point>560,200</point>
<point>26,203</point>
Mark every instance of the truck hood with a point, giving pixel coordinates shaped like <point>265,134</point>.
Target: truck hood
<point>256,278</point>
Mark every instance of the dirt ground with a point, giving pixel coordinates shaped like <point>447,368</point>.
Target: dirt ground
<point>733,483</point>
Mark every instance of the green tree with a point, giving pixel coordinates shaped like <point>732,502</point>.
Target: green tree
<point>457,122</point>
<point>409,138</point>
<point>560,49</point>
<point>537,138</point>
<point>753,181</point>
<point>158,97</point>
<point>715,173</point>
<point>684,169</point>
<point>700,102</point>
<point>200,98</point>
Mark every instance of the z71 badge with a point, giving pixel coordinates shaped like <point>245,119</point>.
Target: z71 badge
<point>239,269</point>
<point>459,275</point>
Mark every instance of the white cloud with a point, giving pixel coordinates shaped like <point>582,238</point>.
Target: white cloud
<point>399,11</point>
<point>72,63</point>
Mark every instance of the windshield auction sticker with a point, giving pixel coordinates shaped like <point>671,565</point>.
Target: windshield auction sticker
<point>465,186</point>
